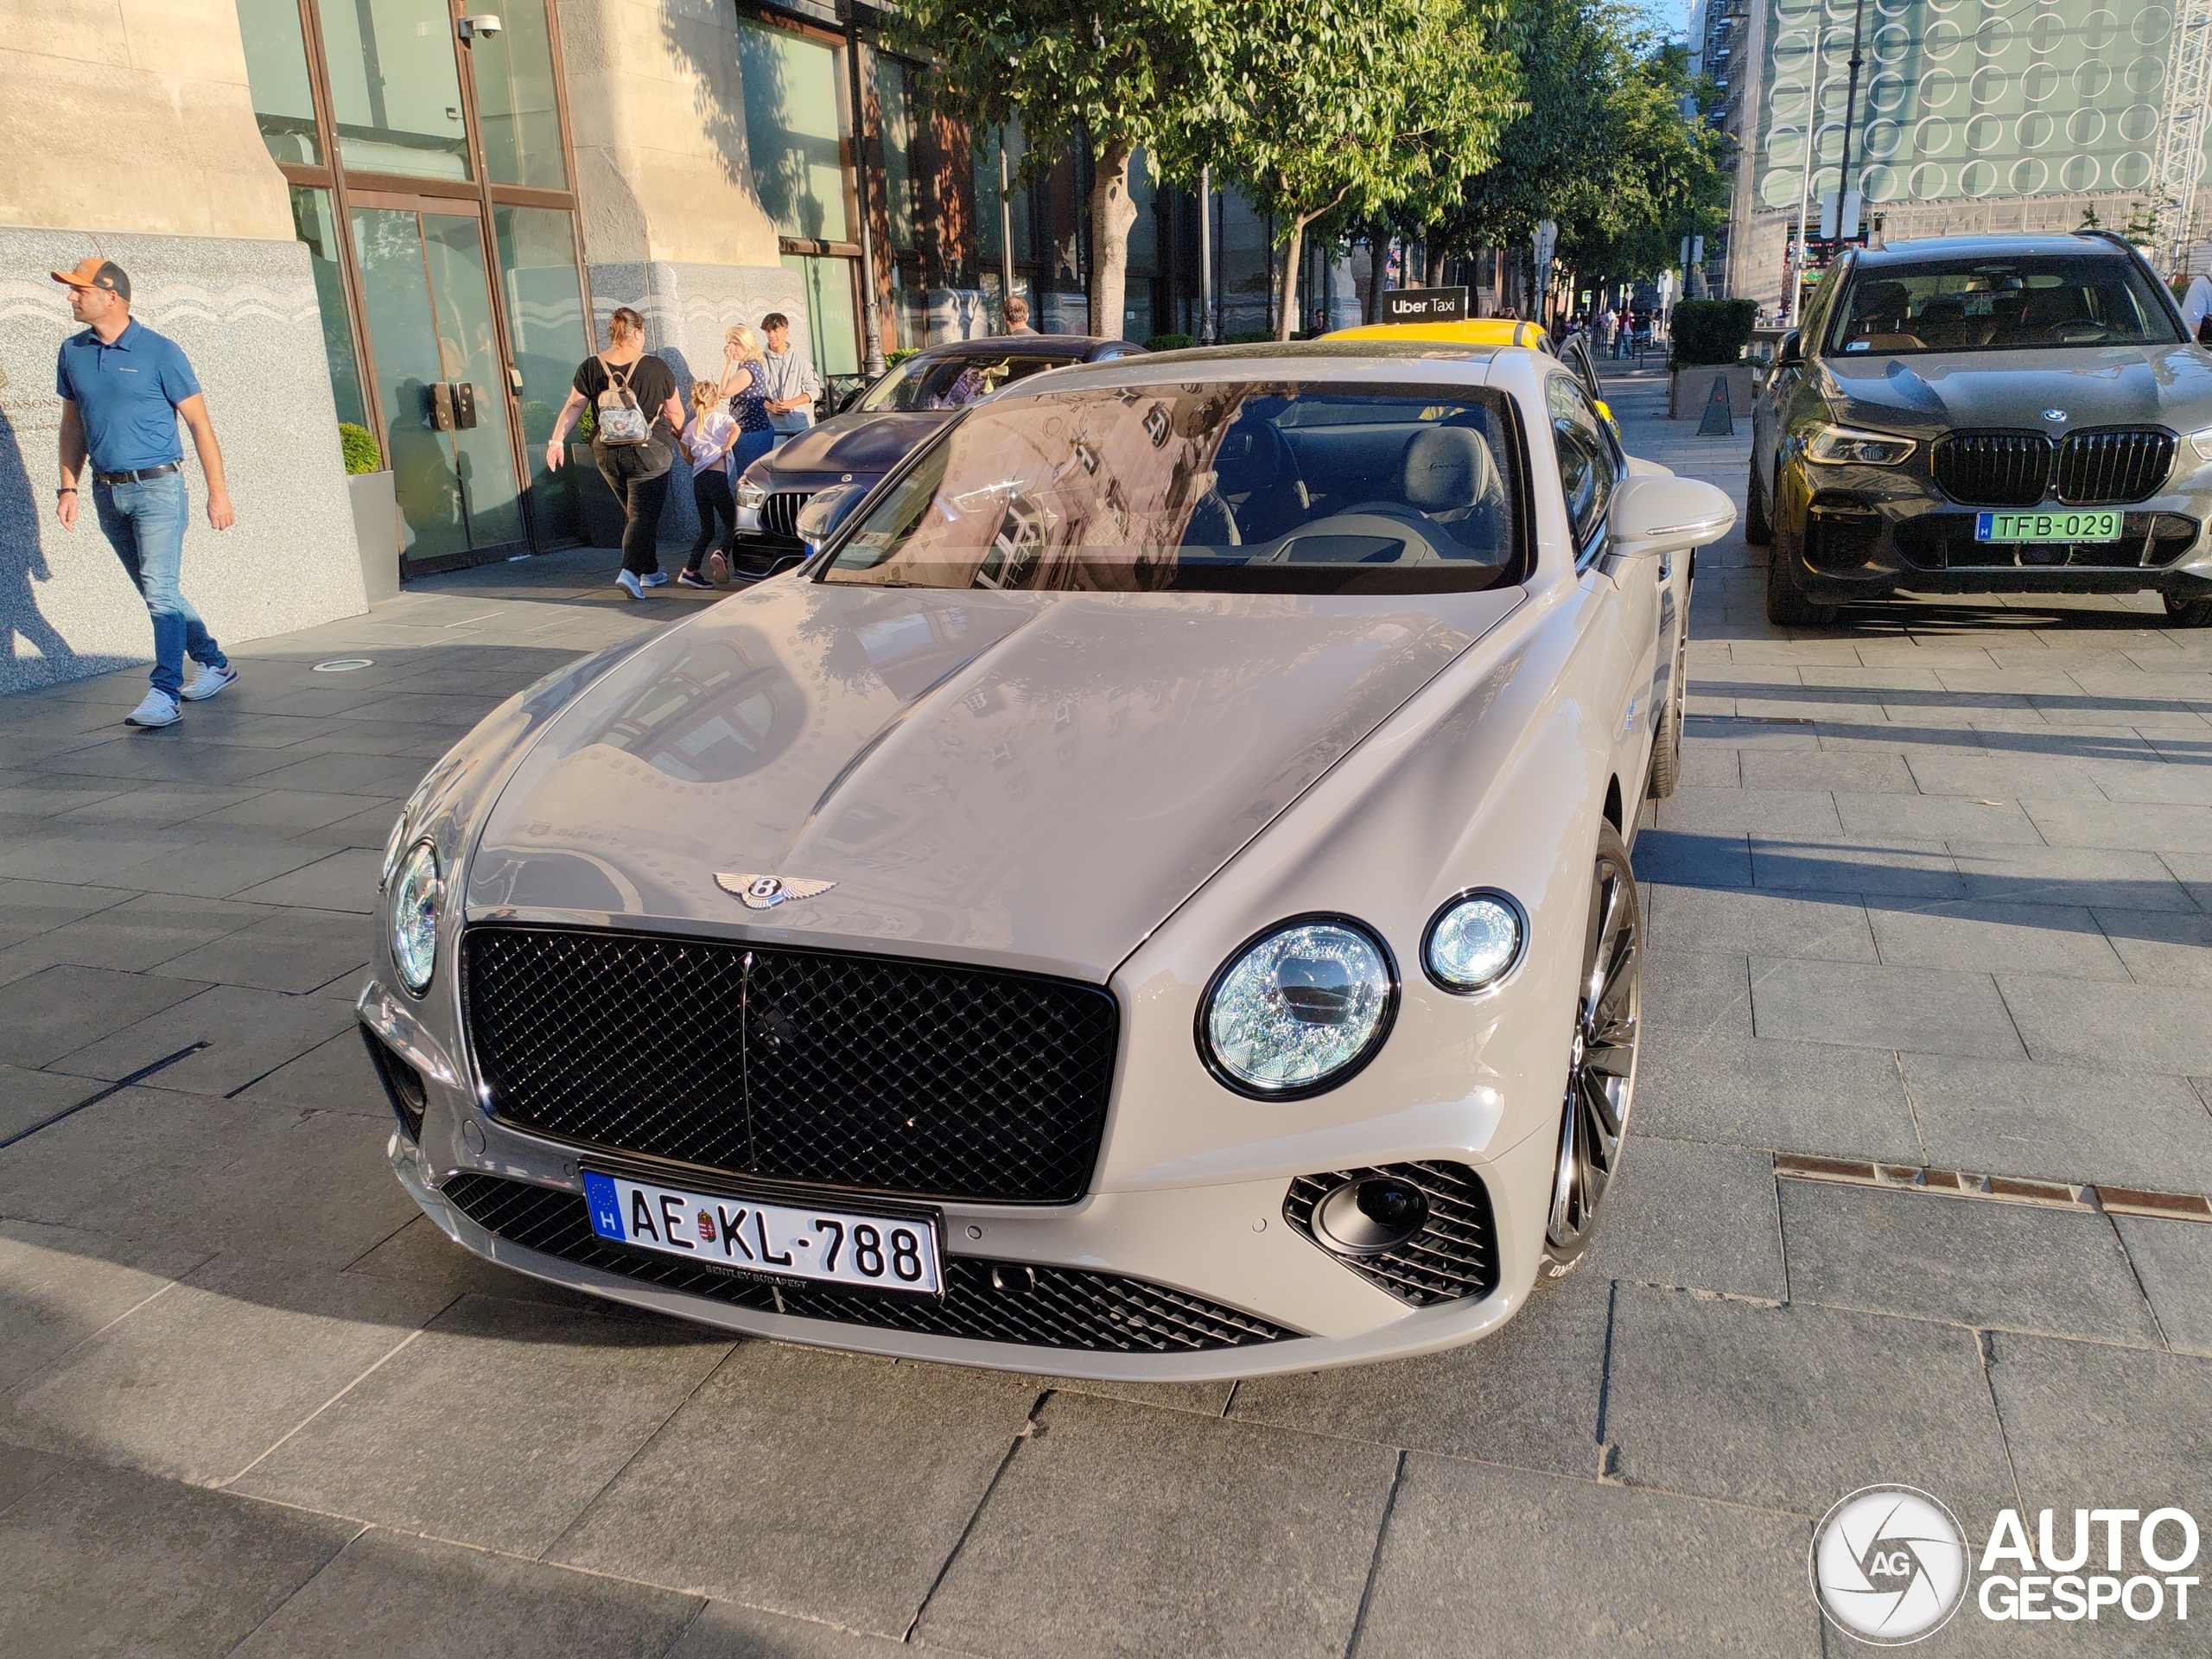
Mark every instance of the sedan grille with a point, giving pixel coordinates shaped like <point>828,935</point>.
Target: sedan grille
<point>779,512</point>
<point>1992,469</point>
<point>875,1073</point>
<point>984,1301</point>
<point>1454,1255</point>
<point>1945,541</point>
<point>2107,467</point>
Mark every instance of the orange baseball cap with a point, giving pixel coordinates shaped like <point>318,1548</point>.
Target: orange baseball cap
<point>96,272</point>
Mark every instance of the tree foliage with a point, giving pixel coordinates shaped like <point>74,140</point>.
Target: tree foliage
<point>1339,110</point>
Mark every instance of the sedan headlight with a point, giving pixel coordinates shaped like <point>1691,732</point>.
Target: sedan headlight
<point>750,494</point>
<point>1473,942</point>
<point>2200,440</point>
<point>415,903</point>
<point>1298,1009</point>
<point>1836,446</point>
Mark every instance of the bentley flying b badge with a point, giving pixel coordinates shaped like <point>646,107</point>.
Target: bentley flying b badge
<point>767,892</point>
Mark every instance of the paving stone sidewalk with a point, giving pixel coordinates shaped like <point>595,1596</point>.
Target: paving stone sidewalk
<point>1937,893</point>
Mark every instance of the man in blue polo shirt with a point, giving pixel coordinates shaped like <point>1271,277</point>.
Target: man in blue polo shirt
<point>122,388</point>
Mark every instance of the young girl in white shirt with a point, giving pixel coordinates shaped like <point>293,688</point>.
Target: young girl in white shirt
<point>708,437</point>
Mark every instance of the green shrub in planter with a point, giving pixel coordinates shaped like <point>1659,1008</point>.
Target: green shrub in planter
<point>1167,343</point>
<point>586,427</point>
<point>1711,331</point>
<point>893,359</point>
<point>358,445</point>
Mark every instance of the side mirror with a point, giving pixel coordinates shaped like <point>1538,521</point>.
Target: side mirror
<point>1667,515</point>
<point>824,511</point>
<point>1792,351</point>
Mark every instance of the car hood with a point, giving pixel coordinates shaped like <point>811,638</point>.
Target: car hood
<point>2116,385</point>
<point>866,446</point>
<point>1032,780</point>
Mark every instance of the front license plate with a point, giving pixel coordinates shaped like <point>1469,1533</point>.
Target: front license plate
<point>779,1241</point>
<point>2046,527</point>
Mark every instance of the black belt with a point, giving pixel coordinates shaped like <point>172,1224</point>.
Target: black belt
<point>140,476</point>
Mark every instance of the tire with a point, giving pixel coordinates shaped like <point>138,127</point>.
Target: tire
<point>2188,613</point>
<point>1787,606</point>
<point>1757,530</point>
<point>1667,747</point>
<point>1601,1068</point>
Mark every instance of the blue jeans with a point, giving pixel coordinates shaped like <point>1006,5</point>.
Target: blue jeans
<point>748,449</point>
<point>144,522</point>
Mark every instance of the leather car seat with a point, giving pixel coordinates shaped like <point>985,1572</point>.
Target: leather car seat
<point>1450,475</point>
<point>1257,474</point>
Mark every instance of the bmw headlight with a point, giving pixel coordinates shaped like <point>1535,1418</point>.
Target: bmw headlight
<point>2200,440</point>
<point>415,904</point>
<point>1473,942</point>
<point>1298,1009</point>
<point>1836,446</point>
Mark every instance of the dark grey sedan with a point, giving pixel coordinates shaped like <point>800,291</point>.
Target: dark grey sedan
<point>853,450</point>
<point>2014,414</point>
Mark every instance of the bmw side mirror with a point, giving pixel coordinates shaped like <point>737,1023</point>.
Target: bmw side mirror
<point>1667,515</point>
<point>1792,351</point>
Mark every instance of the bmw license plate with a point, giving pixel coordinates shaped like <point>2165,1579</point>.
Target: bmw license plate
<point>778,1241</point>
<point>2047,526</point>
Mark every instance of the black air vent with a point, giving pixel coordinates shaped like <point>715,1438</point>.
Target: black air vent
<point>1454,1255</point>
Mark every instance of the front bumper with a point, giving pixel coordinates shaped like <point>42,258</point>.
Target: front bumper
<point>1229,1248</point>
<point>1861,532</point>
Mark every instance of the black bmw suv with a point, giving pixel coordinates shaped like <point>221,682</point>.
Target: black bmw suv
<point>1985,414</point>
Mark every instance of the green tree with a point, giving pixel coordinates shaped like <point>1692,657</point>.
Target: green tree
<point>1339,110</point>
<point>1131,74</point>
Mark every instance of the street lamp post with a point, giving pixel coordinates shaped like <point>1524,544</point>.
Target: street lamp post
<point>871,333</point>
<point>1850,115</point>
<point>1006,229</point>
<point>1205,256</point>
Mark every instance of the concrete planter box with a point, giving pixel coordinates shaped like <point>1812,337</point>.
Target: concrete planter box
<point>1689,391</point>
<point>376,528</point>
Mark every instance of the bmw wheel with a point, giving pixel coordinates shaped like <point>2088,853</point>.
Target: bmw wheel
<point>1601,1065</point>
<point>2188,613</point>
<point>1787,603</point>
<point>1758,533</point>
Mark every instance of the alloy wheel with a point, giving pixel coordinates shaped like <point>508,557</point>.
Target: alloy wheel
<point>1601,1064</point>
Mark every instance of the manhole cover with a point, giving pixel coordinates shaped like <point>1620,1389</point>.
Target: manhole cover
<point>345,665</point>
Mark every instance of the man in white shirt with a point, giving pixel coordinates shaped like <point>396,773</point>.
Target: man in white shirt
<point>791,384</point>
<point>2198,305</point>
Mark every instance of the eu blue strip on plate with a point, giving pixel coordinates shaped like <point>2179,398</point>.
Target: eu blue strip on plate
<point>606,1207</point>
<point>1983,522</point>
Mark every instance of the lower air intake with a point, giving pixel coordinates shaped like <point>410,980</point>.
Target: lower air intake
<point>984,1301</point>
<point>1453,1256</point>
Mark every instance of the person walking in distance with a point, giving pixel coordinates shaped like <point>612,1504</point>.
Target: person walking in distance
<point>707,441</point>
<point>791,384</point>
<point>637,413</point>
<point>122,387</point>
<point>1017,315</point>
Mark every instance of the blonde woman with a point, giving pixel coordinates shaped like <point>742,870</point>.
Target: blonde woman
<point>744,383</point>
<point>707,442</point>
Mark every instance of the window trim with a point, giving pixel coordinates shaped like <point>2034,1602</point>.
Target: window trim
<point>1586,553</point>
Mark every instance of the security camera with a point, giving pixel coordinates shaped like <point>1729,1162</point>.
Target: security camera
<point>483,26</point>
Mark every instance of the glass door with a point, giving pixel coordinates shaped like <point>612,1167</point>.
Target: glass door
<point>439,379</point>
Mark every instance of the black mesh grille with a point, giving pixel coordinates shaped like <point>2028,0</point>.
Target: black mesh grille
<point>1839,536</point>
<point>869,1073</point>
<point>1455,1255</point>
<point>1994,469</point>
<point>1938,541</point>
<point>2114,467</point>
<point>779,512</point>
<point>983,1301</point>
<point>402,1084</point>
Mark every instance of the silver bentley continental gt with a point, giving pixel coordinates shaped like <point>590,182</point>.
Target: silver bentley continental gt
<point>1150,898</point>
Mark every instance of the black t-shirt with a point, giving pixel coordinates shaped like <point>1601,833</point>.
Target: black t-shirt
<point>652,383</point>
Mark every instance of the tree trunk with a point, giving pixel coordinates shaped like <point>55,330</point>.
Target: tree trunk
<point>1112,213</point>
<point>1376,260</point>
<point>1287,282</point>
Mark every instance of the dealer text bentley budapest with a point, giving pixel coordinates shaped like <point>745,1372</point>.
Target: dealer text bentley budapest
<point>1149,899</point>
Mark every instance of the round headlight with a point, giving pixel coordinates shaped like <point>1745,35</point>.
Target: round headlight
<point>414,918</point>
<point>1298,1010</point>
<point>1473,942</point>
<point>394,844</point>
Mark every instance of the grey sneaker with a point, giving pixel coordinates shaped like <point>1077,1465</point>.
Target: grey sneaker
<point>159,708</point>
<point>627,582</point>
<point>659,579</point>
<point>208,681</point>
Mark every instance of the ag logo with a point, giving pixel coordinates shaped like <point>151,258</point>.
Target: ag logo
<point>1889,1565</point>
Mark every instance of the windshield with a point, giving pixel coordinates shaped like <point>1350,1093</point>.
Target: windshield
<point>1210,489</point>
<point>2001,305</point>
<point>948,382</point>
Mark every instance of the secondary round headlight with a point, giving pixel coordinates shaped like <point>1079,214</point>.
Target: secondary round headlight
<point>415,904</point>
<point>394,844</point>
<point>1473,942</point>
<point>1298,1009</point>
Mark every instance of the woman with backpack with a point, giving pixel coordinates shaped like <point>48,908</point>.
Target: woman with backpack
<point>637,412</point>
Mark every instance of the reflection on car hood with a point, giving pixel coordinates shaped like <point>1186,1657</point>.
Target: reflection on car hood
<point>1034,780</point>
<point>866,446</point>
<point>2115,385</point>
